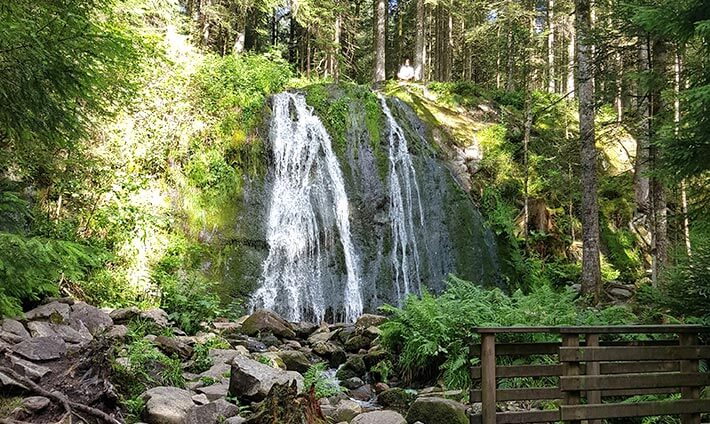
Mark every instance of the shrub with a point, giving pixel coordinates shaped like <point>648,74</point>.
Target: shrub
<point>201,360</point>
<point>324,386</point>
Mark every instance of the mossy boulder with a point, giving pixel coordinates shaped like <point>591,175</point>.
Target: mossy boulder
<point>263,320</point>
<point>396,398</point>
<point>435,410</point>
<point>353,367</point>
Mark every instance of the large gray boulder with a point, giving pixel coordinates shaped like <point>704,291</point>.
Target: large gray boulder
<point>48,329</point>
<point>382,417</point>
<point>369,320</point>
<point>346,410</point>
<point>91,317</point>
<point>263,320</point>
<point>41,348</point>
<point>353,367</point>
<point>56,311</point>
<point>435,410</point>
<point>212,413</point>
<point>14,327</point>
<point>252,380</point>
<point>166,405</point>
<point>295,360</point>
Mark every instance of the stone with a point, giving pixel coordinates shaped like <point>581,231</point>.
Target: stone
<point>295,360</point>
<point>200,399</point>
<point>357,342</point>
<point>47,329</point>
<point>225,356</point>
<point>621,293</point>
<point>166,405</point>
<point>226,326</point>
<point>6,382</point>
<point>215,391</point>
<point>320,337</point>
<point>382,417</point>
<point>369,320</point>
<point>381,387</point>
<point>353,367</point>
<point>14,327</point>
<point>372,332</point>
<point>117,332</point>
<point>41,348</point>
<point>235,420</point>
<point>346,410</point>
<point>363,393</point>
<point>252,380</point>
<point>396,398</point>
<point>33,371</point>
<point>263,320</point>
<point>95,320</point>
<point>352,383</point>
<point>172,346</point>
<point>54,311</point>
<point>331,352</point>
<point>269,340</point>
<point>158,316</point>
<point>374,356</point>
<point>304,329</point>
<point>124,314</point>
<point>11,337</point>
<point>35,403</point>
<point>435,410</point>
<point>212,413</point>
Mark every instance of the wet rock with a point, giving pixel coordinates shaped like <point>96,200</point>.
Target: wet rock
<point>374,356</point>
<point>157,316</point>
<point>270,340</point>
<point>363,393</point>
<point>353,367</point>
<point>345,333</point>
<point>173,346</point>
<point>346,410</point>
<point>124,314</point>
<point>35,403</point>
<point>252,380</point>
<point>41,348</point>
<point>33,371</point>
<point>54,311</point>
<point>14,327</point>
<point>357,342</point>
<point>251,345</point>
<point>334,354</point>
<point>396,398</point>
<point>382,417</point>
<point>295,360</point>
<point>352,383</point>
<point>166,405</point>
<point>93,318</point>
<point>369,320</point>
<point>320,337</point>
<point>372,332</point>
<point>212,413</point>
<point>263,320</point>
<point>435,410</point>
<point>304,329</point>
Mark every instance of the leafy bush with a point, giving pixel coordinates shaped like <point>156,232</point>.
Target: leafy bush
<point>429,336</point>
<point>201,360</point>
<point>316,376</point>
<point>685,291</point>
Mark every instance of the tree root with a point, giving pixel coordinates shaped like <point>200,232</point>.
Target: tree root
<point>69,406</point>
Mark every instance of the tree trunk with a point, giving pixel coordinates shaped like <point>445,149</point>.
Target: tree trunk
<point>419,44</point>
<point>591,271</point>
<point>618,102</point>
<point>570,59</point>
<point>658,194</point>
<point>677,70</point>
<point>336,48</point>
<point>550,46</point>
<point>380,17</point>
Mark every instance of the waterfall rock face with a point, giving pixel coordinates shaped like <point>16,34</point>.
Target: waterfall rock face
<point>349,225</point>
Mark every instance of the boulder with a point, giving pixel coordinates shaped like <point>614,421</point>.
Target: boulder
<point>363,393</point>
<point>117,332</point>
<point>295,360</point>
<point>172,346</point>
<point>41,348</point>
<point>346,410</point>
<point>320,336</point>
<point>10,337</point>
<point>263,320</point>
<point>47,329</point>
<point>35,403</point>
<point>235,420</point>
<point>166,405</point>
<point>369,320</point>
<point>14,327</point>
<point>333,353</point>
<point>353,367</point>
<point>396,398</point>
<point>212,413</point>
<point>382,417</point>
<point>124,314</point>
<point>435,410</point>
<point>200,399</point>
<point>33,371</point>
<point>352,383</point>
<point>357,342</point>
<point>252,380</point>
<point>157,316</point>
<point>304,329</point>
<point>93,318</point>
<point>54,311</point>
<point>215,391</point>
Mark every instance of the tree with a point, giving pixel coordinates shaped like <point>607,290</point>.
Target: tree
<point>380,25</point>
<point>591,269</point>
<point>419,44</point>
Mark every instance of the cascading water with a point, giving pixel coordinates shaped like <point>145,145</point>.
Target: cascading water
<point>404,202</point>
<point>308,206</point>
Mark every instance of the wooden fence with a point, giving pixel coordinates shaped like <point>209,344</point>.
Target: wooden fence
<point>590,371</point>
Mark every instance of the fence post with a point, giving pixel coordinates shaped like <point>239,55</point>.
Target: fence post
<point>593,368</point>
<point>488,378</point>
<point>689,366</point>
<point>571,369</point>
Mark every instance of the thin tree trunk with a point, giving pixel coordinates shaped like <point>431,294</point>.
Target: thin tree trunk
<point>641,182</point>
<point>419,45</point>
<point>591,270</point>
<point>678,69</point>
<point>617,98</point>
<point>498,55</point>
<point>380,22</point>
<point>526,144</point>
<point>550,46</point>
<point>570,58</point>
<point>336,48</point>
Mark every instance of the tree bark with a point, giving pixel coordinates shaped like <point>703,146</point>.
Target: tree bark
<point>591,270</point>
<point>661,243</point>
<point>380,22</point>
<point>677,70</point>
<point>570,58</point>
<point>419,45</point>
<point>550,46</point>
<point>335,58</point>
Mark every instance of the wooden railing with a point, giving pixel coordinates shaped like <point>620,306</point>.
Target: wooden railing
<point>589,371</point>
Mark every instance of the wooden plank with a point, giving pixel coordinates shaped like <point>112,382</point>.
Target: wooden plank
<point>636,392</point>
<point>488,378</point>
<point>522,371</point>
<point>593,369</point>
<point>640,343</point>
<point>643,353</point>
<point>533,393</point>
<point>633,381</point>
<point>636,367</point>
<point>528,417</point>
<point>571,369</point>
<point>636,329</point>
<point>520,349</point>
<point>517,330</point>
<point>692,392</point>
<point>641,409</point>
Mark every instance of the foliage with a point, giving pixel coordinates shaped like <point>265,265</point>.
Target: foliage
<point>201,360</point>
<point>382,370</point>
<point>316,376</point>
<point>430,335</point>
<point>685,291</point>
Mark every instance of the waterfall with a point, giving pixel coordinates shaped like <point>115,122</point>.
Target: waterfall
<point>308,213</point>
<point>404,202</point>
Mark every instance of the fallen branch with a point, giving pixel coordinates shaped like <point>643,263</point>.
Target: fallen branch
<point>68,405</point>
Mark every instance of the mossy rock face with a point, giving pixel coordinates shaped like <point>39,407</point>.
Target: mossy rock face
<point>434,410</point>
<point>396,398</point>
<point>353,367</point>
